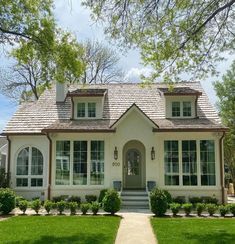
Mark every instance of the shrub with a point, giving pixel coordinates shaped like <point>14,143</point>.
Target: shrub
<point>200,207</point>
<point>168,196</point>
<point>223,209</point>
<point>187,208</point>
<point>61,205</point>
<point>111,202</point>
<point>23,205</point>
<point>48,205</point>
<point>73,206</point>
<point>58,198</point>
<point>75,199</point>
<point>158,201</point>
<point>232,208</point>
<point>90,198</point>
<point>209,200</point>
<point>175,207</point>
<point>211,208</point>
<point>85,207</point>
<point>180,199</point>
<point>18,199</point>
<point>102,195</point>
<point>95,206</point>
<point>36,205</point>
<point>7,200</point>
<point>195,200</point>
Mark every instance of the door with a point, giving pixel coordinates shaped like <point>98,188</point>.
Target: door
<point>132,169</point>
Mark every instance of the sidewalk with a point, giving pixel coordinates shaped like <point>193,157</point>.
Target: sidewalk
<point>135,228</point>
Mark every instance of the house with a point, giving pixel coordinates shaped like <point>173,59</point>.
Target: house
<point>3,152</point>
<point>78,140</point>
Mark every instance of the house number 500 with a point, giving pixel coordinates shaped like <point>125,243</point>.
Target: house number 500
<point>116,164</point>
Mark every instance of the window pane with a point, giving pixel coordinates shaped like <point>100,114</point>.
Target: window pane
<point>175,108</point>
<point>207,155</point>
<point>187,109</point>
<point>62,162</point>
<point>22,164</point>
<point>37,162</point>
<point>97,163</point>
<point>21,182</point>
<point>80,163</point>
<point>81,110</point>
<point>91,110</point>
<point>36,182</point>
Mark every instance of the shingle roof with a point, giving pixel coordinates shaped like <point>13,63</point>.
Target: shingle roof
<point>87,92</point>
<point>180,91</point>
<point>46,113</point>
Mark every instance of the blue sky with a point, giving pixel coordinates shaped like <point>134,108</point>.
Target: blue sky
<point>71,16</point>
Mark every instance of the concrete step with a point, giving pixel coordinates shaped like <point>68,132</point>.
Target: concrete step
<point>135,206</point>
<point>135,198</point>
<point>134,193</point>
<point>135,202</point>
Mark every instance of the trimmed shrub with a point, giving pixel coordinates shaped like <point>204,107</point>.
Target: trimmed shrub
<point>209,200</point>
<point>7,200</point>
<point>180,199</point>
<point>187,207</point>
<point>61,206</point>
<point>48,205</point>
<point>232,209</point>
<point>18,199</point>
<point>224,209</point>
<point>159,201</point>
<point>76,199</point>
<point>200,207</point>
<point>95,206</point>
<point>211,208</point>
<point>111,202</point>
<point>23,205</point>
<point>195,200</point>
<point>90,198</point>
<point>168,196</point>
<point>175,208</point>
<point>102,195</point>
<point>36,205</point>
<point>85,207</point>
<point>73,206</point>
<point>58,198</point>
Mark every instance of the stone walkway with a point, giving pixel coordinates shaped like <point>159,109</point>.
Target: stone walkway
<point>135,228</point>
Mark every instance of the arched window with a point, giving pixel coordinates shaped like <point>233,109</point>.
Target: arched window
<point>29,168</point>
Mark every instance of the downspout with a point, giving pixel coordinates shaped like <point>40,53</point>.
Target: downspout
<point>50,166</point>
<point>8,159</point>
<point>221,167</point>
<point>196,106</point>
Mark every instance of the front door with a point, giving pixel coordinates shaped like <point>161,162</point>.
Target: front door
<point>132,169</point>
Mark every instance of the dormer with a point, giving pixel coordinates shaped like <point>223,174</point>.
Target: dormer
<point>180,102</point>
<point>87,103</point>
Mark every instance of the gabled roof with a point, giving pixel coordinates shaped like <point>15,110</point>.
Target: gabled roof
<point>181,91</point>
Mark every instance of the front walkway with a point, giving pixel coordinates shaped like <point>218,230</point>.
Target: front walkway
<point>135,228</point>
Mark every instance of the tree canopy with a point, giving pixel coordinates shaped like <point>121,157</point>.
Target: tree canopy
<point>174,37</point>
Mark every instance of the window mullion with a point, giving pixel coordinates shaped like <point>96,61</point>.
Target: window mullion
<point>180,162</point>
<point>88,161</point>
<point>71,163</point>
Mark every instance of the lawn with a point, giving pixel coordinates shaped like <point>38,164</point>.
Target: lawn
<point>59,229</point>
<point>188,230</point>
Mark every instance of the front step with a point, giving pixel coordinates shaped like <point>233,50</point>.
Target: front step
<point>133,199</point>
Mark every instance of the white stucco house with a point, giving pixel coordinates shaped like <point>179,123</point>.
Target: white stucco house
<point>78,140</point>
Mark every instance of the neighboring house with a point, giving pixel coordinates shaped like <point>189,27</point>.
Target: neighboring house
<point>81,140</point>
<point>3,152</point>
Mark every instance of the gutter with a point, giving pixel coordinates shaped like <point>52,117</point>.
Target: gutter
<point>221,167</point>
<point>8,155</point>
<point>50,166</point>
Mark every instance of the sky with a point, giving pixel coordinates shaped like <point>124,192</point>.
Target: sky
<point>71,16</point>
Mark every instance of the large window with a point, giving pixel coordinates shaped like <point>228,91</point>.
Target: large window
<point>171,159</point>
<point>207,155</point>
<point>29,168</point>
<point>175,109</point>
<point>97,163</point>
<point>189,162</point>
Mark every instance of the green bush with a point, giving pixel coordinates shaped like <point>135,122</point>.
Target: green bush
<point>180,199</point>
<point>90,198</point>
<point>61,206</point>
<point>102,195</point>
<point>207,200</point>
<point>23,205</point>
<point>159,201</point>
<point>195,200</point>
<point>232,209</point>
<point>48,205</point>
<point>75,199</point>
<point>111,202</point>
<point>200,207</point>
<point>95,206</point>
<point>168,196</point>
<point>85,207</point>
<point>73,206</point>
<point>211,208</point>
<point>224,209</point>
<point>58,198</point>
<point>7,200</point>
<point>18,199</point>
<point>187,207</point>
<point>175,208</point>
<point>36,205</point>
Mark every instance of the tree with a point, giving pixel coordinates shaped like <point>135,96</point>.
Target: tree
<point>226,92</point>
<point>173,36</point>
<point>101,64</point>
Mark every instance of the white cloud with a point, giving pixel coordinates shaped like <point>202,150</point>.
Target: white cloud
<point>134,74</point>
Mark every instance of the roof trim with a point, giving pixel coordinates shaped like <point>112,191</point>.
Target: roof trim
<point>92,92</point>
<point>182,94</point>
<point>190,130</point>
<point>22,134</point>
<point>45,131</point>
<point>128,111</point>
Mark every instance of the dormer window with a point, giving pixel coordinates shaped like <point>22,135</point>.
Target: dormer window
<point>81,110</point>
<point>86,110</point>
<point>181,109</point>
<point>175,109</point>
<point>187,109</point>
<point>91,110</point>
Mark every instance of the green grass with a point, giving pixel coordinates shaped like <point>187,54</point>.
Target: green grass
<point>59,229</point>
<point>188,230</point>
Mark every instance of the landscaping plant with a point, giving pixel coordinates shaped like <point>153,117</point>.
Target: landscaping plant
<point>61,206</point>
<point>187,208</point>
<point>36,205</point>
<point>85,207</point>
<point>7,200</point>
<point>58,198</point>
<point>23,205</point>
<point>48,205</point>
<point>73,206</point>
<point>200,207</point>
<point>232,209</point>
<point>18,199</point>
<point>111,202</point>
<point>180,199</point>
<point>90,198</point>
<point>175,207</point>
<point>102,195</point>
<point>211,208</point>
<point>223,209</point>
<point>95,206</point>
<point>76,199</point>
<point>195,200</point>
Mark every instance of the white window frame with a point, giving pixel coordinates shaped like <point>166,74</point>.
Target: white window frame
<point>181,109</point>
<point>86,110</point>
